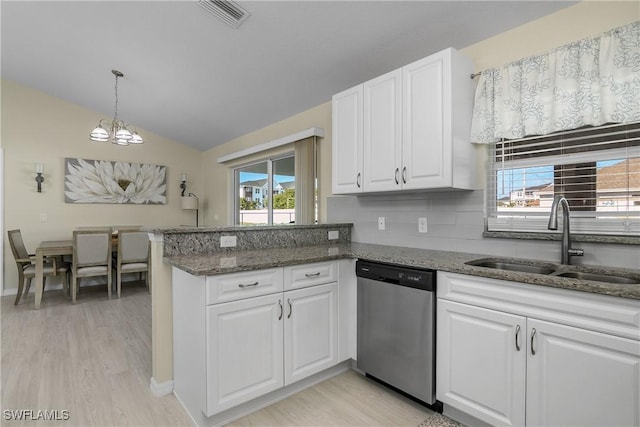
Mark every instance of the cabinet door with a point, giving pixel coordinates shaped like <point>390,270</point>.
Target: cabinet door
<point>347,141</point>
<point>310,331</point>
<point>481,362</point>
<point>244,351</point>
<point>382,147</point>
<point>577,377</point>
<point>426,117</point>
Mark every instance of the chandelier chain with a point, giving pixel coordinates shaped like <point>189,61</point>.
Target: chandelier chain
<point>116,107</point>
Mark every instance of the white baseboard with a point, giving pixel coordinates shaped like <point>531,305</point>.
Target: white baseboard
<point>161,389</point>
<point>32,290</point>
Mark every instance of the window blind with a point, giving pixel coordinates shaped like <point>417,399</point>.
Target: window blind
<point>596,168</point>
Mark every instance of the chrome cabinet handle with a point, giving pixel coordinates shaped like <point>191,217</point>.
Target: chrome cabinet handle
<point>316,274</point>
<point>404,175</point>
<point>290,308</point>
<point>517,337</point>
<point>533,334</point>
<point>248,285</point>
<point>281,309</point>
<point>358,180</point>
<point>397,172</point>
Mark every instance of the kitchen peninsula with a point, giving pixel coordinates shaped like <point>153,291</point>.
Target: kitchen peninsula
<point>277,267</point>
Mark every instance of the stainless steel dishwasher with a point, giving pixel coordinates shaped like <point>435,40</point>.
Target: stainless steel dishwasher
<point>396,327</point>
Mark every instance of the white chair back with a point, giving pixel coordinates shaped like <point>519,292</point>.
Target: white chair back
<point>133,246</point>
<point>92,247</point>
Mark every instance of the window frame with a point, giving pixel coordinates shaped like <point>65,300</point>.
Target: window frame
<point>237,185</point>
<point>587,221</point>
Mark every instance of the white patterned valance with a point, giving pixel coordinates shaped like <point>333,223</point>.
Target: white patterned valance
<point>589,82</point>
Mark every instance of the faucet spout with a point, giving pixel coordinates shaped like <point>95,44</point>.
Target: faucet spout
<point>567,251</point>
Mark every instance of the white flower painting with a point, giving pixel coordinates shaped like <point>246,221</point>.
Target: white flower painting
<point>103,181</point>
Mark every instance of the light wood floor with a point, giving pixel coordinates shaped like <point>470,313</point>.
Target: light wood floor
<point>349,399</point>
<point>94,360</point>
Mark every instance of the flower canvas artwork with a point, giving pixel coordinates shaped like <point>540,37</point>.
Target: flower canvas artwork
<point>103,181</point>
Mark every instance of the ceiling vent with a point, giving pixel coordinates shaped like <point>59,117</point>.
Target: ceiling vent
<point>226,10</point>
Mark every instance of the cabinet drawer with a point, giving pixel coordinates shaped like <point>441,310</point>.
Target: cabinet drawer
<point>235,286</point>
<point>301,276</point>
<point>600,313</point>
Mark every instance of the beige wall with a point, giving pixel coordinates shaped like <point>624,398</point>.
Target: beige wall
<point>582,20</point>
<point>218,179</point>
<point>40,128</point>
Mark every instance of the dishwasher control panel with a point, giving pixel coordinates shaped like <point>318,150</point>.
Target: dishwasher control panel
<point>391,273</point>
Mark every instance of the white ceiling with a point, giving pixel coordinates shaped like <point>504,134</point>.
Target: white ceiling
<point>191,78</point>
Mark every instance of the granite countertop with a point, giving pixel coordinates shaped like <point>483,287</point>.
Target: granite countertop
<point>454,262</point>
<point>208,229</point>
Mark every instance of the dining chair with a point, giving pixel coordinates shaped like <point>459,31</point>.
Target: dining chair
<point>133,255</point>
<point>27,269</point>
<point>91,257</point>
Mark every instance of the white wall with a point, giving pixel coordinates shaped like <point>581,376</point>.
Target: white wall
<point>456,219</point>
<point>38,128</point>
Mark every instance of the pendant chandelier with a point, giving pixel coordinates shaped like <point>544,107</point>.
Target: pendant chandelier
<point>116,130</point>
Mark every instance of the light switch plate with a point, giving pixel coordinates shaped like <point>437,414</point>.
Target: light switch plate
<point>333,235</point>
<point>227,241</point>
<point>422,225</point>
<point>381,224</point>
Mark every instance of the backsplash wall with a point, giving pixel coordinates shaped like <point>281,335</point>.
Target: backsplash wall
<point>455,222</point>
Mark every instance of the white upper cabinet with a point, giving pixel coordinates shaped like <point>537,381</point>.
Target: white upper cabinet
<point>347,119</point>
<point>436,121</point>
<point>415,129</point>
<point>382,149</point>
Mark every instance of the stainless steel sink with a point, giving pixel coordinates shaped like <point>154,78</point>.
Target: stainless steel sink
<point>598,277</point>
<point>511,266</point>
<point>569,272</point>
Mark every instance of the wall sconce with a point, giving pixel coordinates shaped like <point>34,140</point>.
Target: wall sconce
<point>190,202</point>
<point>183,183</point>
<point>39,177</point>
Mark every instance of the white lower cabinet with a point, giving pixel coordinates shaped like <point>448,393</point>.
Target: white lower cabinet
<point>512,368</point>
<point>227,353</point>
<point>581,378</point>
<point>310,331</point>
<point>480,369</point>
<point>260,344</point>
<point>244,351</point>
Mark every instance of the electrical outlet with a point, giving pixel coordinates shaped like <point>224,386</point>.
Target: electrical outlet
<point>333,235</point>
<point>227,241</point>
<point>422,225</point>
<point>381,225</point>
<point>44,217</point>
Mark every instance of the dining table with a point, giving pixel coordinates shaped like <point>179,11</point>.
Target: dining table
<point>46,249</point>
<point>49,248</point>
